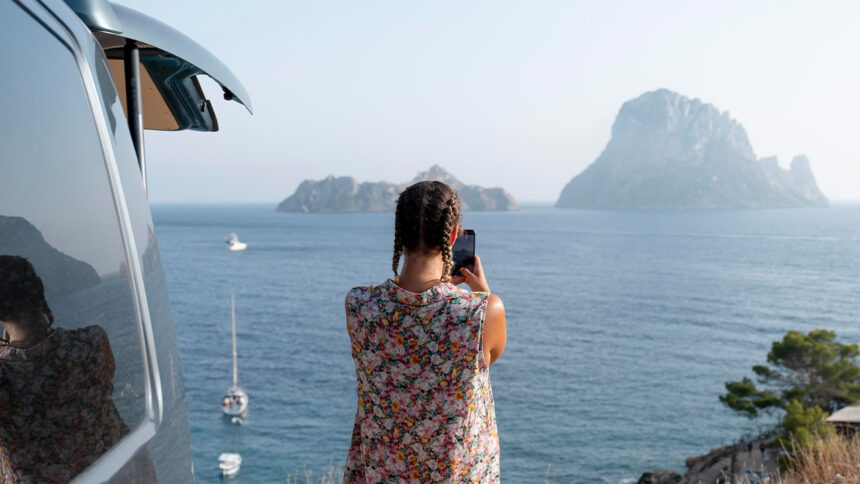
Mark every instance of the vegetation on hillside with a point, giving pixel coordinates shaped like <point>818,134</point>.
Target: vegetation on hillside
<point>824,459</point>
<point>802,426</point>
<point>808,376</point>
<point>813,369</point>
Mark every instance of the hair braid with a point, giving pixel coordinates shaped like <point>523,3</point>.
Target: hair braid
<point>449,222</point>
<point>48,313</point>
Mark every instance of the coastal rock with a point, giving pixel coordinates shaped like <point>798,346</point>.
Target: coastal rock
<point>341,194</point>
<point>60,273</point>
<point>344,194</point>
<point>722,464</point>
<point>472,197</point>
<point>671,152</point>
<point>659,477</point>
<point>797,182</point>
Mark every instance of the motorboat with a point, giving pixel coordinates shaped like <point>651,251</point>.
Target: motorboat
<point>234,244</point>
<point>229,463</point>
<point>235,401</point>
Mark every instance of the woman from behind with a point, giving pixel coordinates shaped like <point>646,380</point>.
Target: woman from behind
<point>422,349</point>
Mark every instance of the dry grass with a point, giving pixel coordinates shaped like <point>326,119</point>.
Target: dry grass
<point>825,460</point>
<point>828,460</point>
<point>330,476</point>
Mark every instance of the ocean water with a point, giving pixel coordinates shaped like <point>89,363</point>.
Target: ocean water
<point>622,327</point>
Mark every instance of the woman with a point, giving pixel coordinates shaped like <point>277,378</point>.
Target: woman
<point>422,348</point>
<point>56,388</point>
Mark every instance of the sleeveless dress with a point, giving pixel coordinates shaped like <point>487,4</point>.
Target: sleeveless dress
<point>57,415</point>
<point>425,406</point>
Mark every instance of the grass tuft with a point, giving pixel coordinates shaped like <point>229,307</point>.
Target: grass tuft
<point>330,476</point>
<point>829,459</point>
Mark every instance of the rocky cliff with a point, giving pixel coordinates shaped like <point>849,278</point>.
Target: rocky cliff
<point>60,273</point>
<point>344,194</point>
<point>671,152</point>
<point>729,463</point>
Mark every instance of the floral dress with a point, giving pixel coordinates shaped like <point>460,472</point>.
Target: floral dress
<point>425,407</point>
<point>56,412</point>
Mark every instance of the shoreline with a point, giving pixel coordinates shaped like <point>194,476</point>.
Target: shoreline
<point>756,458</point>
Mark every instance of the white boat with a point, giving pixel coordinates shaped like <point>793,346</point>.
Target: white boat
<point>229,463</point>
<point>234,244</point>
<point>235,401</point>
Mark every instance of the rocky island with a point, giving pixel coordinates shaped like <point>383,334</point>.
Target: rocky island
<point>345,194</point>
<point>61,274</point>
<point>671,152</point>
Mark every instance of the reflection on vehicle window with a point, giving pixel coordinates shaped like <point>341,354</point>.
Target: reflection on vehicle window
<point>56,386</point>
<point>57,211</point>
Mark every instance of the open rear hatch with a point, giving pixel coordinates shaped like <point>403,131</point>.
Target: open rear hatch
<point>162,64</point>
<point>169,65</point>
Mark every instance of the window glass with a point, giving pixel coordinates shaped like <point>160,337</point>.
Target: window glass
<point>73,388</point>
<point>170,449</point>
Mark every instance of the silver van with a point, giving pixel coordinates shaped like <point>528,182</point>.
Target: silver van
<point>80,82</point>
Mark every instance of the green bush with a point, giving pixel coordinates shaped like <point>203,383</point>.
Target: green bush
<point>802,426</point>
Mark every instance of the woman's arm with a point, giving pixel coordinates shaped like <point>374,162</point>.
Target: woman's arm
<point>346,305</point>
<point>495,330</point>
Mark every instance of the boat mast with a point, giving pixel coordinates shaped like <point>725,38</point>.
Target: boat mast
<point>233,315</point>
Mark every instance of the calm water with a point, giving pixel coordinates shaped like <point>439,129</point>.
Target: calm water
<point>622,327</point>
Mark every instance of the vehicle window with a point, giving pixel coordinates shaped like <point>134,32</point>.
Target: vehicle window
<point>70,392</point>
<point>170,449</point>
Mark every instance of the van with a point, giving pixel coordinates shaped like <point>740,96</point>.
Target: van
<point>81,81</point>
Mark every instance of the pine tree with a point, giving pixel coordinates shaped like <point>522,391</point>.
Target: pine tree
<point>813,369</point>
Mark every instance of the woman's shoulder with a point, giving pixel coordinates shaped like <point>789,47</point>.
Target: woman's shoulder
<point>464,301</point>
<point>90,334</point>
<point>365,292</point>
<point>93,337</point>
<point>465,294</point>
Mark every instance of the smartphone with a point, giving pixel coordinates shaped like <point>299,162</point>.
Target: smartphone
<point>464,252</point>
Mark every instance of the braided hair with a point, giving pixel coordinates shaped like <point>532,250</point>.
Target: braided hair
<point>22,294</point>
<point>426,214</point>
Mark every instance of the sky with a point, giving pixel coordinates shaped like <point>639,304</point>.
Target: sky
<point>520,95</point>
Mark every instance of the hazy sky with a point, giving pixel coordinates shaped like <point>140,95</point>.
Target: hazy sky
<point>514,94</point>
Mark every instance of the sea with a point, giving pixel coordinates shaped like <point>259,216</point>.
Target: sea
<point>623,327</point>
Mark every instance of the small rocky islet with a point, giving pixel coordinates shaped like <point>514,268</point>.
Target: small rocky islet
<point>345,194</point>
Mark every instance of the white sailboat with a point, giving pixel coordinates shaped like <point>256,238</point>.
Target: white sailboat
<point>234,244</point>
<point>235,401</point>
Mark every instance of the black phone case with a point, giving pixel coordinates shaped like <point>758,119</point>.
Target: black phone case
<point>464,253</point>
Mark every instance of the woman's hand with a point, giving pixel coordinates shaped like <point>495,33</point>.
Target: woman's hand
<point>474,279</point>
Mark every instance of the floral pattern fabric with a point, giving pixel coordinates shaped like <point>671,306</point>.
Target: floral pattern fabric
<point>425,406</point>
<point>56,412</point>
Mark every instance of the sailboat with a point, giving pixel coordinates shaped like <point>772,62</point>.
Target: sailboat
<point>235,401</point>
<point>234,244</point>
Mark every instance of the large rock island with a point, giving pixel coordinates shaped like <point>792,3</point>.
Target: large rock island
<point>344,194</point>
<point>61,274</point>
<point>671,152</point>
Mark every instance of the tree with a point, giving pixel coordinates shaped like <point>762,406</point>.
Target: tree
<point>812,368</point>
